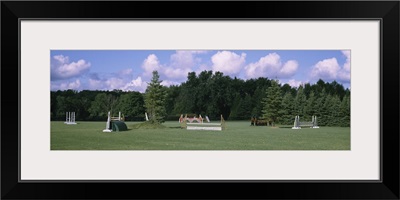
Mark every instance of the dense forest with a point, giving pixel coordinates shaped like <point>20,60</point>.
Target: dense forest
<point>212,94</point>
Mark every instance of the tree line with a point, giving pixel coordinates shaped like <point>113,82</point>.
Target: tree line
<point>212,94</point>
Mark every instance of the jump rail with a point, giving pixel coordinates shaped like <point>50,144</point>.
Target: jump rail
<point>203,126</point>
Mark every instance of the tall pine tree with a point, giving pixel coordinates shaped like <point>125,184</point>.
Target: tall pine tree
<point>237,103</point>
<point>155,99</point>
<point>287,109</point>
<point>309,108</point>
<point>272,103</point>
<point>300,102</point>
<point>345,111</point>
<point>258,97</point>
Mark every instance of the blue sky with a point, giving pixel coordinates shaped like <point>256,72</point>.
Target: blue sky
<point>130,70</point>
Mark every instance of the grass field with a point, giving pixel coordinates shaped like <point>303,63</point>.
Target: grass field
<point>238,136</point>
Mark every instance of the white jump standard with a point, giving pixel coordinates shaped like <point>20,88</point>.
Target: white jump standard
<point>70,118</point>
<point>108,128</point>
<point>298,124</point>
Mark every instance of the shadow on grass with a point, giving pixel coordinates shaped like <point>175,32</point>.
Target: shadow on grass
<point>285,127</point>
<point>175,127</point>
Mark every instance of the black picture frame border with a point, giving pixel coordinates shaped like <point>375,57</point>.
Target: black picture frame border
<point>219,180</point>
<point>386,11</point>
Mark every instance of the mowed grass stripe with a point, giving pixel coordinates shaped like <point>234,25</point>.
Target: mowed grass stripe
<point>238,136</point>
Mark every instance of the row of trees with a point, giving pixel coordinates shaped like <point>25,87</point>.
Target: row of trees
<point>94,105</point>
<point>331,110</point>
<point>212,94</point>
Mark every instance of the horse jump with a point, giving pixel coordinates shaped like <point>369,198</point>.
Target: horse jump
<point>191,120</point>
<point>202,126</point>
<point>115,123</point>
<point>298,124</point>
<point>70,118</point>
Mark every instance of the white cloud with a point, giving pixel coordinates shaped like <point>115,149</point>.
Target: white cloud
<point>74,85</point>
<point>150,64</point>
<point>344,74</point>
<point>288,69</point>
<point>199,52</point>
<point>62,68</point>
<point>202,68</point>
<point>169,83</point>
<point>228,62</point>
<point>175,73</point>
<point>329,69</point>
<point>114,83</point>
<point>61,58</point>
<point>182,59</point>
<point>171,73</point>
<point>271,66</point>
<point>135,85</point>
<point>126,72</point>
<point>326,69</point>
<point>96,84</point>
<point>181,63</point>
<point>295,83</point>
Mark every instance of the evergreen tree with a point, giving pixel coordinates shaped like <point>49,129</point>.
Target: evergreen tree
<point>331,112</point>
<point>62,106</point>
<point>309,109</point>
<point>287,109</point>
<point>334,105</point>
<point>241,108</point>
<point>272,103</point>
<point>300,102</point>
<point>237,104</point>
<point>318,106</point>
<point>155,99</point>
<point>203,92</point>
<point>172,94</point>
<point>259,95</point>
<point>324,120</point>
<point>345,111</point>
<point>245,111</point>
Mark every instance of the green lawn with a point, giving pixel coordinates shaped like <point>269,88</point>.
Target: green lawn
<point>238,136</point>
